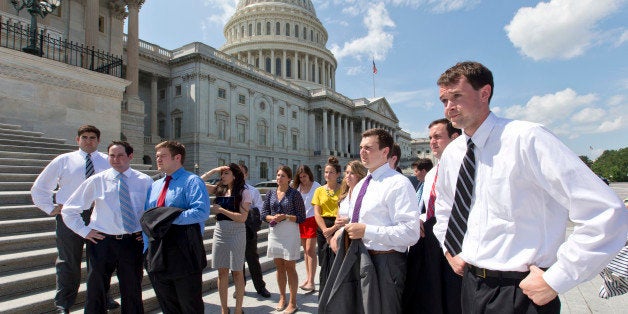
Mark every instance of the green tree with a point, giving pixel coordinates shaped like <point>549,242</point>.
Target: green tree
<point>612,164</point>
<point>586,160</point>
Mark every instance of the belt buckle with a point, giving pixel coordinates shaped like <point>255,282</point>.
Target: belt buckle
<point>119,236</point>
<point>483,275</point>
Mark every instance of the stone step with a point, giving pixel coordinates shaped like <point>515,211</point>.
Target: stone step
<point>6,169</point>
<point>15,197</point>
<point>29,137</point>
<point>37,144</point>
<point>22,282</point>
<point>18,226</point>
<point>14,212</point>
<point>22,242</point>
<point>15,186</point>
<point>41,301</point>
<point>36,149</point>
<point>17,154</point>
<point>23,162</point>
<point>18,177</point>
<point>10,126</point>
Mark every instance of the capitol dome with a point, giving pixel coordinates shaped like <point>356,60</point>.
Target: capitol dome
<point>284,38</point>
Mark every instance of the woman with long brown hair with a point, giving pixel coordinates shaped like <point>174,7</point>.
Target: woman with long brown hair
<point>325,203</point>
<point>305,184</point>
<point>284,210</point>
<point>231,208</point>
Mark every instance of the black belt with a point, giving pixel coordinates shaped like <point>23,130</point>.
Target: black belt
<point>375,252</point>
<point>487,273</point>
<point>123,236</point>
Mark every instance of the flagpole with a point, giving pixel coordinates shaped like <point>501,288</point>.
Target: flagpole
<point>373,74</point>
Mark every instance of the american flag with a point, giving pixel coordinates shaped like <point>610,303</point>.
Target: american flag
<point>374,68</point>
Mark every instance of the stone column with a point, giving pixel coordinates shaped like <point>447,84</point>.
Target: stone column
<point>333,83</point>
<point>316,70</point>
<point>339,137</point>
<point>154,101</point>
<point>363,125</point>
<point>91,23</point>
<point>311,131</point>
<point>345,149</point>
<point>352,138</point>
<point>262,62</point>
<point>333,132</point>
<point>283,65</point>
<point>307,67</point>
<point>272,62</point>
<point>325,145</point>
<point>296,66</point>
<point>133,117</point>
<point>248,57</point>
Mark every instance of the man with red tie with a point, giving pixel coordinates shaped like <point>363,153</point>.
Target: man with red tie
<point>178,283</point>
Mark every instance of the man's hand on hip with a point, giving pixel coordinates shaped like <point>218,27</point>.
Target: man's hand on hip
<point>456,263</point>
<point>535,287</point>
<point>94,236</point>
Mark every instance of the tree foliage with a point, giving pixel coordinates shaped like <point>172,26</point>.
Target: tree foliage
<point>586,160</point>
<point>612,164</point>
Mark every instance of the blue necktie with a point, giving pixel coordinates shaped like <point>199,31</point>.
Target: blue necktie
<point>128,216</point>
<point>419,192</point>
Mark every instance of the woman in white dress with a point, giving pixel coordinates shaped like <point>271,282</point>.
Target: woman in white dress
<point>284,210</point>
<point>304,182</point>
<point>231,208</point>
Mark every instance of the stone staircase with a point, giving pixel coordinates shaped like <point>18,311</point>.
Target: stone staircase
<point>27,235</point>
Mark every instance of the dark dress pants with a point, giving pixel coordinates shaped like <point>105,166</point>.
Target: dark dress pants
<point>105,257</point>
<point>179,295</point>
<point>495,295</point>
<point>391,276</point>
<point>325,254</point>
<point>252,259</point>
<point>68,263</point>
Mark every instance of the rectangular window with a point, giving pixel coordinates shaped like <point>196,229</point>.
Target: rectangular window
<point>294,114</point>
<point>262,136</point>
<point>281,139</point>
<point>177,127</point>
<point>222,93</point>
<point>101,24</point>
<point>241,133</point>
<point>221,162</point>
<point>281,111</point>
<point>263,170</point>
<point>295,139</point>
<point>162,94</point>
<point>241,99</point>
<point>222,129</point>
<point>177,90</point>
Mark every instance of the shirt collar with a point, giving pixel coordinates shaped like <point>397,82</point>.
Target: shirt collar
<point>379,172</point>
<point>127,173</point>
<point>83,153</point>
<point>180,172</point>
<point>480,136</point>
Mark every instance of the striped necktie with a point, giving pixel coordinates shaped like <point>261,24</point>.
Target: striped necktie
<point>457,226</point>
<point>89,166</point>
<point>126,210</point>
<point>432,199</point>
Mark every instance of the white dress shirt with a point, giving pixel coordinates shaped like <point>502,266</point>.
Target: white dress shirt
<point>67,171</point>
<point>102,188</point>
<point>427,188</point>
<point>307,199</point>
<point>389,210</point>
<point>528,185</point>
<point>256,198</point>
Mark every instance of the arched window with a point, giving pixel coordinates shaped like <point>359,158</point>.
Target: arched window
<point>250,29</point>
<point>259,29</point>
<point>288,68</point>
<point>311,35</point>
<point>296,31</point>
<point>267,28</point>
<point>312,73</point>
<point>277,28</point>
<point>299,76</point>
<point>304,33</point>
<point>277,66</point>
<point>242,31</point>
<point>287,29</point>
<point>268,65</point>
<point>262,130</point>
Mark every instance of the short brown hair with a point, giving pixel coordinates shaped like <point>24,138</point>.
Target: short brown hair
<point>174,147</point>
<point>423,164</point>
<point>476,73</point>
<point>88,128</point>
<point>451,130</point>
<point>384,139</point>
<point>286,170</point>
<point>128,149</point>
<point>396,152</point>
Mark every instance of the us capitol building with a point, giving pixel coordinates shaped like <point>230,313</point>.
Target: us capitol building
<point>266,97</point>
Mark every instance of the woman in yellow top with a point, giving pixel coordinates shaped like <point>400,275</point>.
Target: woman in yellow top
<point>325,203</point>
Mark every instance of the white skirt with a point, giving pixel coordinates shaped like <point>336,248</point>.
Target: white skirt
<point>284,241</point>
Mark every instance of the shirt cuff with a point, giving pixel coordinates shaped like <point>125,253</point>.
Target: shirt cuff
<point>555,278</point>
<point>370,232</point>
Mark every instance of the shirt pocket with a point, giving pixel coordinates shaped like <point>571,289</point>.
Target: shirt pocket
<point>499,193</point>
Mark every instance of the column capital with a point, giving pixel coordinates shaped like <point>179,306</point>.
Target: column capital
<point>134,3</point>
<point>117,10</point>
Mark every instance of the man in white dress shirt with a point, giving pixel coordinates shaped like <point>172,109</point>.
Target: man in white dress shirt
<point>527,186</point>
<point>68,171</point>
<point>114,231</point>
<point>388,218</point>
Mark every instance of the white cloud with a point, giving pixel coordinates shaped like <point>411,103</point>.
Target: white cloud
<point>442,6</point>
<point>622,39</point>
<point>376,43</point>
<point>224,10</point>
<point>568,114</point>
<point>412,99</point>
<point>559,29</point>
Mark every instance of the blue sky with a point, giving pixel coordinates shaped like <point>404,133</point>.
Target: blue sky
<point>562,63</point>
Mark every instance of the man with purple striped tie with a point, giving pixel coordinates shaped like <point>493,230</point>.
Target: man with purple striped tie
<point>385,215</point>
<point>114,231</point>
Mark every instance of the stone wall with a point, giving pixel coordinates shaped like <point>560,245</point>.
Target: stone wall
<point>55,98</point>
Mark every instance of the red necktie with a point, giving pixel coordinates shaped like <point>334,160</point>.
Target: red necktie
<point>161,201</point>
<point>432,200</point>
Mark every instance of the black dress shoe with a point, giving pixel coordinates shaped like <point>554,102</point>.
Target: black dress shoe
<point>62,310</point>
<point>264,293</point>
<point>112,304</point>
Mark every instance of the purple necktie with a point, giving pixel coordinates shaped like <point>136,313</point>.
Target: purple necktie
<point>358,201</point>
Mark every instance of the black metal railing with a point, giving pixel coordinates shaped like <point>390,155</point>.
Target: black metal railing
<point>15,36</point>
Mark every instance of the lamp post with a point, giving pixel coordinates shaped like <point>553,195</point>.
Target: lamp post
<point>35,7</point>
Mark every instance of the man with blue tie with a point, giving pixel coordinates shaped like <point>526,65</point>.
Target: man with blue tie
<point>114,239</point>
